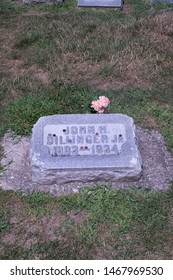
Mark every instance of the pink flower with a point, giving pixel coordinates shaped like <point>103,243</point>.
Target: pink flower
<point>101,104</point>
<point>97,106</point>
<point>104,101</point>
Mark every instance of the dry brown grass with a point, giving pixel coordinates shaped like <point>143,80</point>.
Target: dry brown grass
<point>99,49</point>
<point>139,61</point>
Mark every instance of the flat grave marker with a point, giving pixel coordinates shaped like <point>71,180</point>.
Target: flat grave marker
<point>90,147</point>
<point>100,3</point>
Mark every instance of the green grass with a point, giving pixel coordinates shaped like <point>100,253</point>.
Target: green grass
<point>56,59</point>
<point>116,224</point>
<point>4,220</point>
<point>23,112</point>
<point>39,203</point>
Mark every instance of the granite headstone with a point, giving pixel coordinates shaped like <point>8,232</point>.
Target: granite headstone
<point>84,148</point>
<point>100,3</point>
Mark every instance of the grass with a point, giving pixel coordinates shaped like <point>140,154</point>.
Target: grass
<point>4,220</point>
<point>56,59</point>
<point>97,223</point>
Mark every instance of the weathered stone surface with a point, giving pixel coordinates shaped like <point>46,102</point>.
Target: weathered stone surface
<point>100,3</point>
<point>157,173</point>
<point>43,1</point>
<point>84,148</point>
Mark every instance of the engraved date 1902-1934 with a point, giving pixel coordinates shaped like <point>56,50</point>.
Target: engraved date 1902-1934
<point>75,150</point>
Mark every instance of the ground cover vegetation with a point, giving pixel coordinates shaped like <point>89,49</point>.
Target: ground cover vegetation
<point>56,59</point>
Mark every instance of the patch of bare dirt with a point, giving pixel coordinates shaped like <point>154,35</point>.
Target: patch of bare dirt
<point>75,69</point>
<point>13,93</point>
<point>151,122</point>
<point>15,67</point>
<point>40,74</point>
<point>77,218</point>
<point>28,229</point>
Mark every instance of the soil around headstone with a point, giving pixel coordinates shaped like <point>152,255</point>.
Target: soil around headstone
<point>157,166</point>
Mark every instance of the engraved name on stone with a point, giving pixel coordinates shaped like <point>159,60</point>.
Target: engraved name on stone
<point>76,140</point>
<point>84,148</point>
